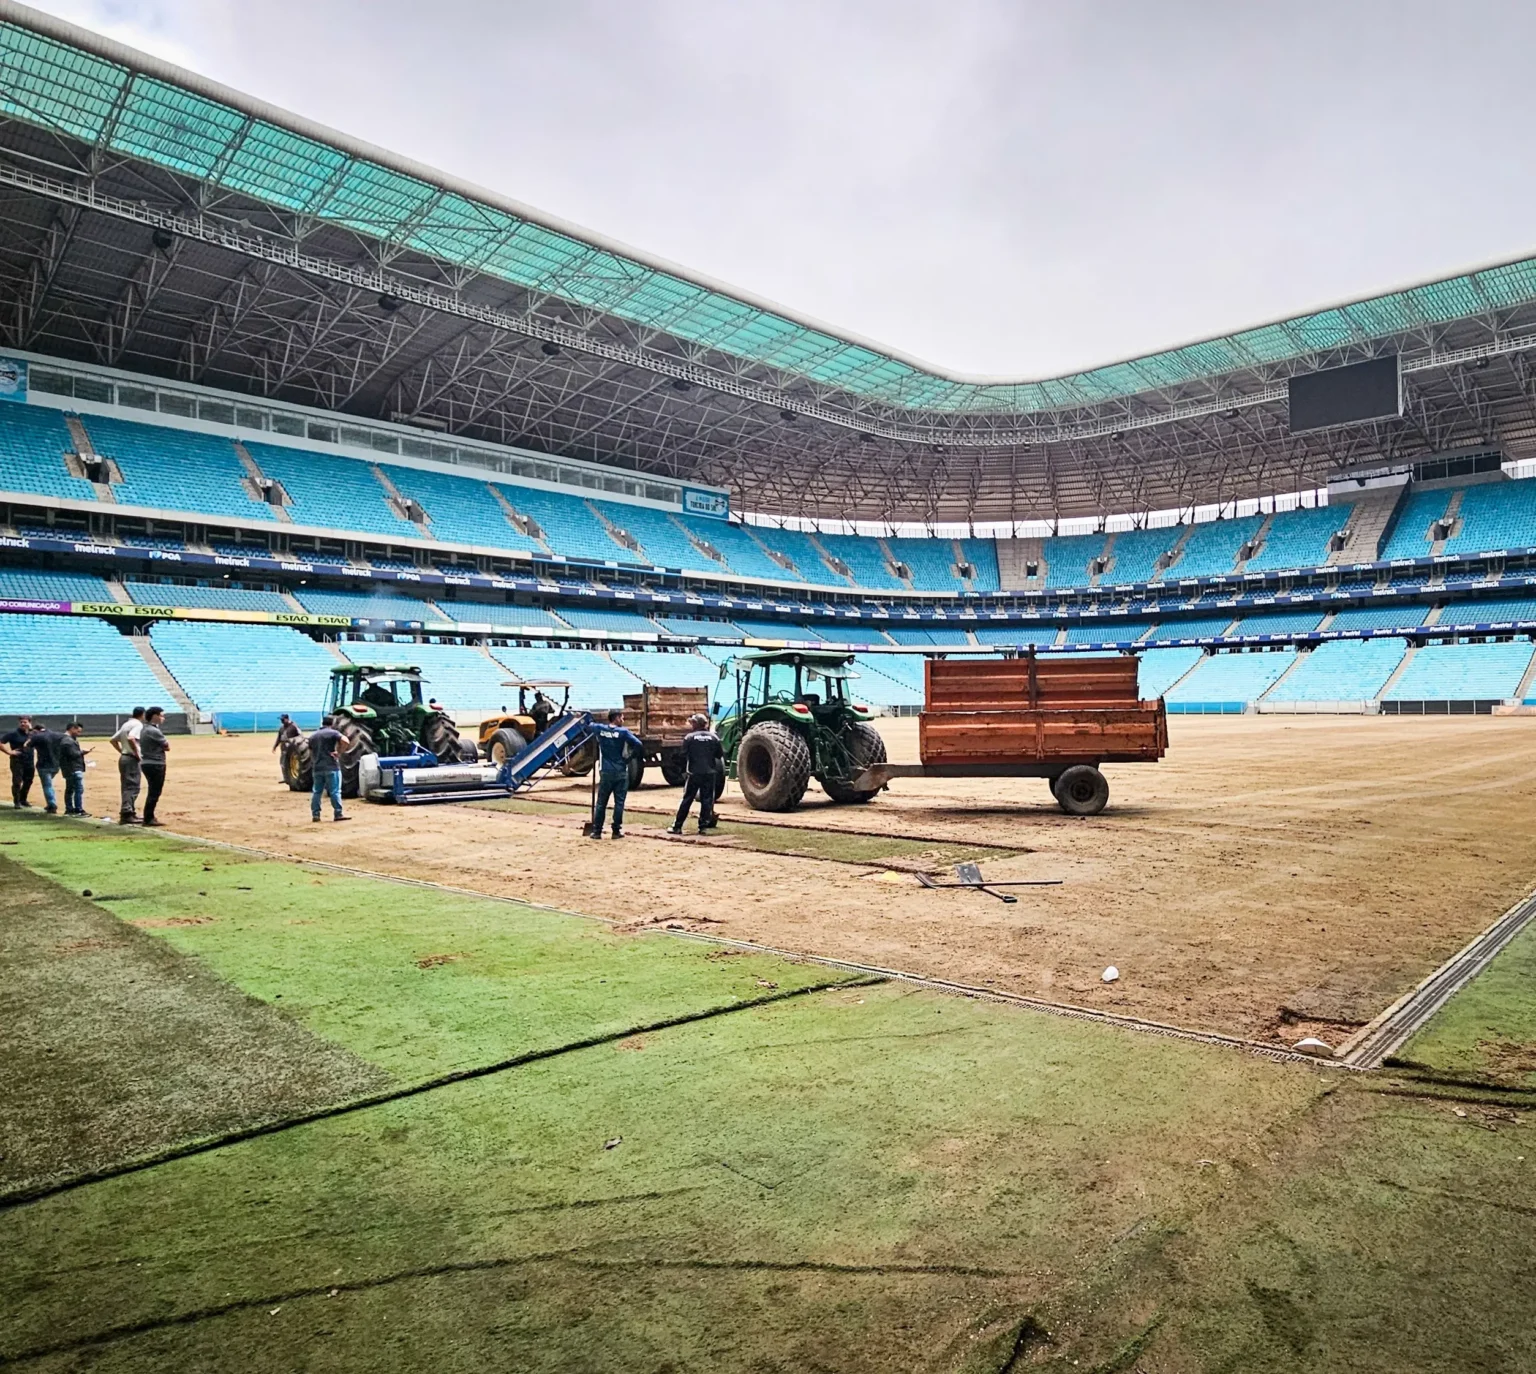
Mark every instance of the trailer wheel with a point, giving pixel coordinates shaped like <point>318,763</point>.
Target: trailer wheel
<point>506,743</point>
<point>636,771</point>
<point>578,763</point>
<point>1082,790</point>
<point>773,767</point>
<point>674,767</point>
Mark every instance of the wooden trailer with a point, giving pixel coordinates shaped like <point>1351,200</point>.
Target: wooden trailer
<point>1032,717</point>
<point>659,715</point>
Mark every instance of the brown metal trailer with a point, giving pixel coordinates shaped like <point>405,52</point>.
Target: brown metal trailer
<point>1032,717</point>
<point>659,715</point>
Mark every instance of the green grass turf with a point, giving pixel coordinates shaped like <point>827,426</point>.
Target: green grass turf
<point>1488,1031</point>
<point>859,1179</point>
<point>792,841</point>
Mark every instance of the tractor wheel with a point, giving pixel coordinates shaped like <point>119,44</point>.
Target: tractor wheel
<point>719,785</point>
<point>356,740</point>
<point>296,770</point>
<point>469,751</point>
<point>506,743</point>
<point>865,747</point>
<point>773,767</point>
<point>674,767</point>
<point>578,763</point>
<point>1082,790</point>
<point>441,736</point>
<point>636,771</point>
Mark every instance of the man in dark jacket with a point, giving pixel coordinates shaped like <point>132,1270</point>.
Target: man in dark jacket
<point>72,765</point>
<point>43,744</point>
<point>153,747</point>
<point>287,732</point>
<point>706,762</point>
<point>14,743</point>
<point>325,761</point>
<point>615,745</point>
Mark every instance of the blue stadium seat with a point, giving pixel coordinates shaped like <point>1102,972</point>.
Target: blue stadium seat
<point>614,622</point>
<point>1405,614</point>
<point>1039,632</point>
<point>1342,670</point>
<point>1495,515</point>
<point>1410,531</point>
<point>63,664</point>
<point>776,629</point>
<point>888,680</point>
<point>458,675</point>
<point>250,668</point>
<point>743,555</point>
<point>1231,679</point>
<point>1213,546</point>
<point>212,598</point>
<point>661,542</point>
<point>1161,668</point>
<point>1195,627</point>
<point>597,682</point>
<point>931,562</point>
<point>981,554</point>
<point>461,510</point>
<point>1136,552</point>
<point>569,527</point>
<point>33,442</point>
<point>799,548</point>
<point>1067,558</point>
<point>175,469</point>
<point>865,559</point>
<point>1278,623</point>
<point>331,491</point>
<point>375,605</point>
<point>667,670</point>
<point>1107,631</point>
<point>1299,539</point>
<point>712,629</point>
<point>921,637</point>
<point>1493,611</point>
<point>1463,672</point>
<point>33,584</point>
<point>499,613</point>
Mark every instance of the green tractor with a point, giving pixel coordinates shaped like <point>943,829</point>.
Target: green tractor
<point>793,720</point>
<point>379,710</point>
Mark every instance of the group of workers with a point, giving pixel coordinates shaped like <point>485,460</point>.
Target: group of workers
<point>616,745</point>
<point>39,754</point>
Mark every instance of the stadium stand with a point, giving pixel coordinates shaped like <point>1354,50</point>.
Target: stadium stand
<point>1495,515</point>
<point>1042,632</point>
<point>931,563</point>
<point>1494,611</point>
<point>1230,681</point>
<point>743,555</point>
<point>30,584</point>
<point>981,554</point>
<point>72,665</point>
<point>865,560</point>
<point>214,664</point>
<point>499,613</point>
<point>714,629</point>
<point>1463,672</point>
<point>1299,539</point>
<point>1106,631</point>
<point>614,622</point>
<point>1405,615</point>
<point>597,682</point>
<point>774,629</point>
<point>661,542</point>
<point>1135,553</point>
<point>888,680</point>
<point>1195,627</point>
<point>1161,668</point>
<point>33,442</point>
<point>461,677</point>
<point>175,469</point>
<point>918,637</point>
<point>667,670</point>
<point>569,527</point>
<point>334,492</point>
<point>1410,531</point>
<point>1343,670</point>
<point>208,598</point>
<point>1213,546</point>
<point>1278,623</point>
<point>1067,558</point>
<point>375,605</point>
<point>459,509</point>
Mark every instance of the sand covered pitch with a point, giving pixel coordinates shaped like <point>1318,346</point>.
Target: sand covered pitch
<point>1273,877</point>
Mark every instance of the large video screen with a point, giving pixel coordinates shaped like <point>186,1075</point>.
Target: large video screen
<point>1346,395</point>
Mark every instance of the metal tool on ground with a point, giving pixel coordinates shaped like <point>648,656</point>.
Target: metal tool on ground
<point>418,776</point>
<point>970,877</point>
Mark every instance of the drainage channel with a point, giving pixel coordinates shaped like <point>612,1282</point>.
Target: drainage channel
<point>1372,1045</point>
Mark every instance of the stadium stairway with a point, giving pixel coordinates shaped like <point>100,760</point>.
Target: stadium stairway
<point>167,679</point>
<point>1370,515</point>
<point>1450,521</point>
<point>1397,672</point>
<point>102,490</point>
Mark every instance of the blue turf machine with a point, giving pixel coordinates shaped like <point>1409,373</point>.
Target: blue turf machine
<point>418,777</point>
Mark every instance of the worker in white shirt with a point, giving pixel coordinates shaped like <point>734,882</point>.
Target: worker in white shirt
<point>129,774</point>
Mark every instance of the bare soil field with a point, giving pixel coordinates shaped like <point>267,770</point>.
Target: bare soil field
<point>1273,877</point>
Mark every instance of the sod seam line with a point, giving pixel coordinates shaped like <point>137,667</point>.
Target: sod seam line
<point>1066,1009</point>
<point>24,1196</point>
<point>1394,1027</point>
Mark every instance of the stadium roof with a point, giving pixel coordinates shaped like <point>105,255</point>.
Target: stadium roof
<point>154,219</point>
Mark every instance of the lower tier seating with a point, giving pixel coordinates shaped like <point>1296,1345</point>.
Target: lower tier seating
<point>59,664</point>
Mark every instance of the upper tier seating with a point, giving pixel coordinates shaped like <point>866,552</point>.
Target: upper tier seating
<point>743,555</point>
<point>1463,672</point>
<point>213,598</point>
<point>569,527</point>
<point>1495,515</point>
<point>1230,678</point>
<point>70,664</point>
<point>1405,615</point>
<point>704,629</point>
<point>1067,557</point>
<point>459,676</point>
<point>932,563</point>
<point>225,667</point>
<point>981,554</point>
<point>1343,670</point>
<point>1410,531</point>
<point>1195,627</point>
<point>33,584</point>
<point>1278,623</point>
<point>801,550</point>
<point>175,469</point>
<point>1496,610</point>
<point>1213,546</point>
<point>865,559</point>
<point>1136,552</point>
<point>331,491</point>
<point>1114,630</point>
<point>614,622</point>
<point>372,605</point>
<point>461,510</point>
<point>661,541</point>
<point>667,670</point>
<point>1299,539</point>
<point>597,682</point>
<point>33,442</point>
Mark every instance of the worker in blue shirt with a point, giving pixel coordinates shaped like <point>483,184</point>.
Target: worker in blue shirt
<point>615,745</point>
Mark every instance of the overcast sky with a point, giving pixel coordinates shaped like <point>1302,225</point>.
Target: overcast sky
<point>1001,187</point>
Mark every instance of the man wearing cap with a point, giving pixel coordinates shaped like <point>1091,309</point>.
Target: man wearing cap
<point>706,761</point>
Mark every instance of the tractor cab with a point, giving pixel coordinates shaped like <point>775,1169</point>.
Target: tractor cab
<point>364,690</point>
<point>539,705</point>
<point>804,683</point>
